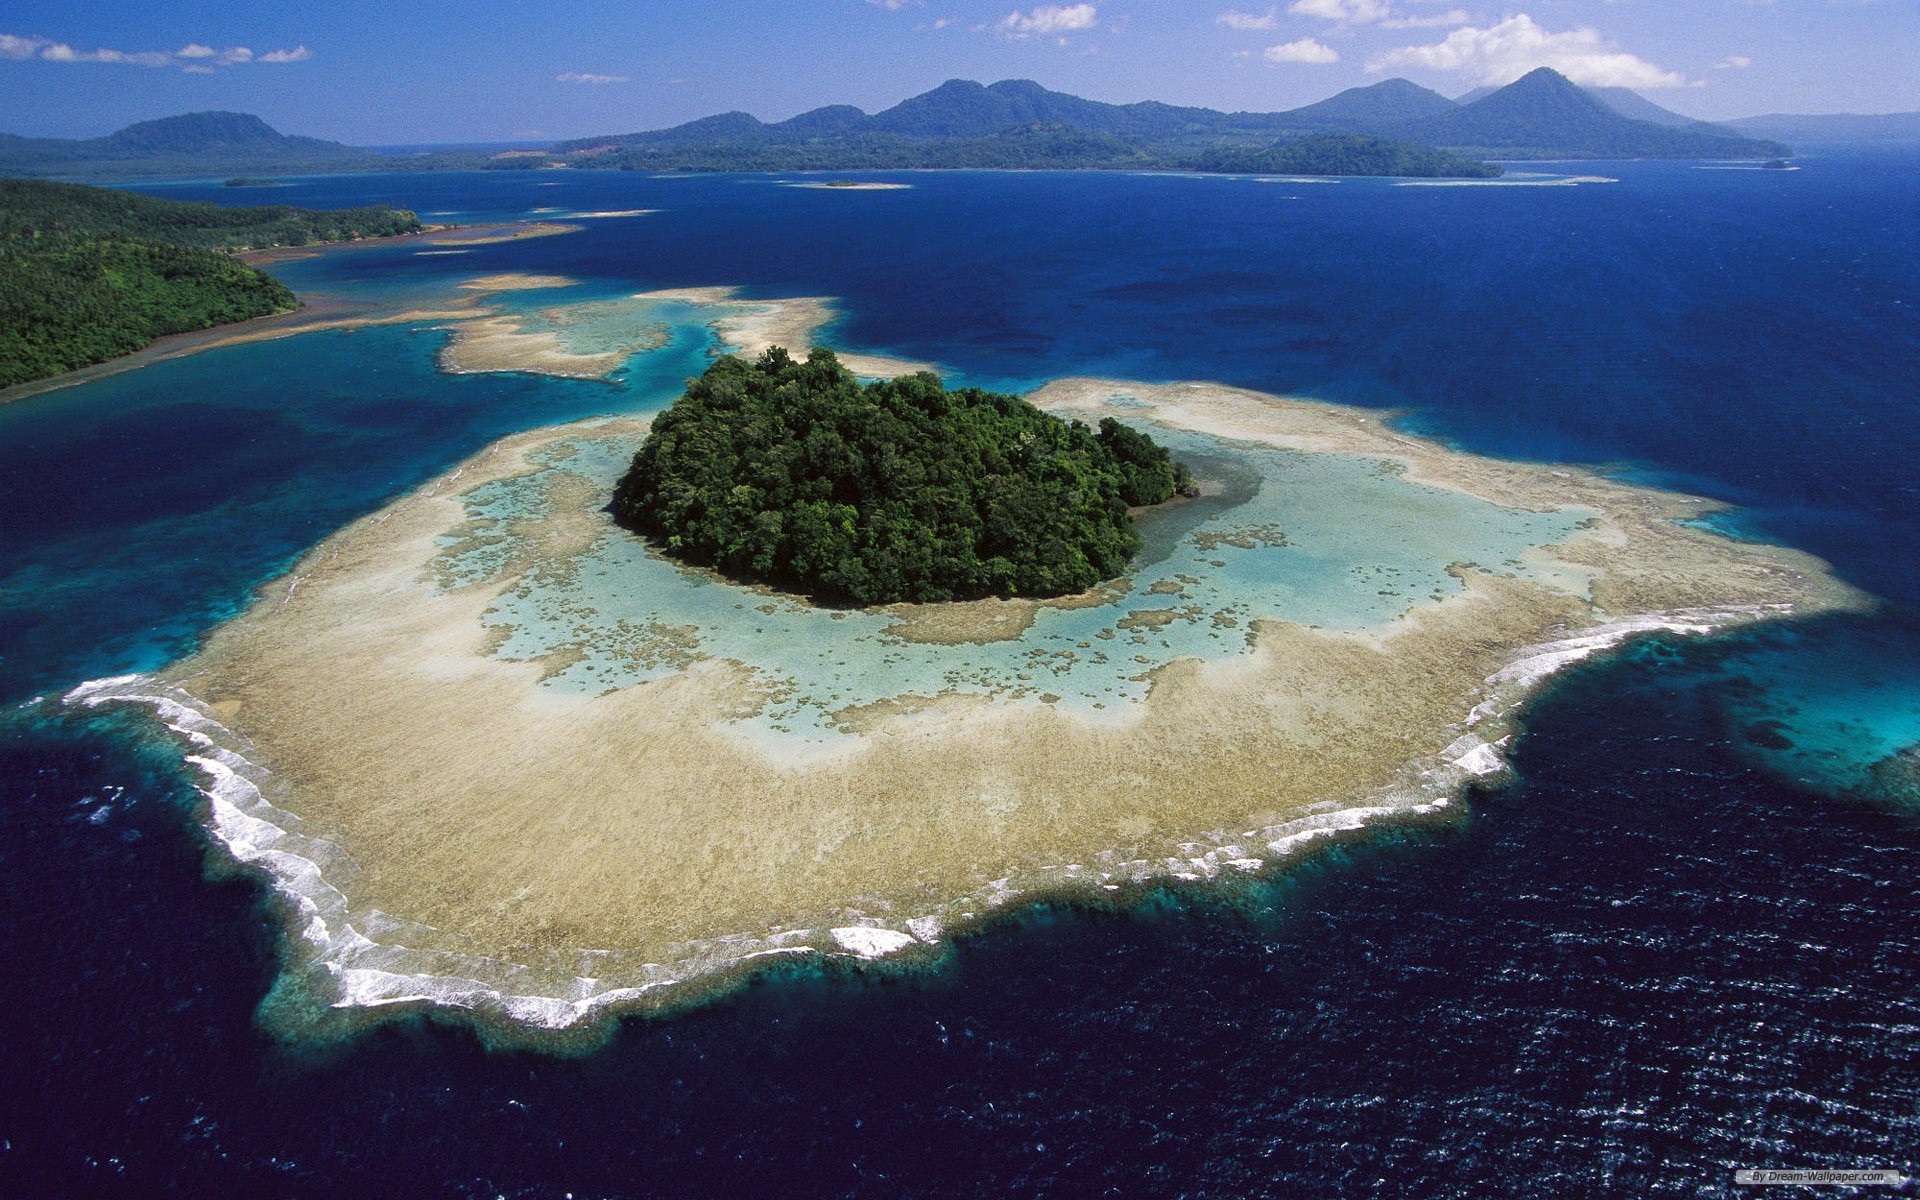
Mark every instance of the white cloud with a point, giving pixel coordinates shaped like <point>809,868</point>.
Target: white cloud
<point>892,5</point>
<point>19,47</point>
<point>1502,53</point>
<point>60,52</point>
<point>1733,62</point>
<point>1050,18</point>
<point>1306,50</point>
<point>1353,12</point>
<point>193,57</point>
<point>1234,19</point>
<point>584,77</point>
<point>1458,16</point>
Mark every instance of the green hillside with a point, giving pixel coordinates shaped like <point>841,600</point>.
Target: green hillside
<point>88,274</point>
<point>792,473</point>
<point>185,146</point>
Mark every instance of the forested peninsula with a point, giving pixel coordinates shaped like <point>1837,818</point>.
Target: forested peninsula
<point>88,274</point>
<point>792,473</point>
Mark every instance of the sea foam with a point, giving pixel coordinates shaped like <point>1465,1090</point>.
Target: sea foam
<point>363,960</point>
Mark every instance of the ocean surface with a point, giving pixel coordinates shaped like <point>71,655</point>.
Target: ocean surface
<point>1684,942</point>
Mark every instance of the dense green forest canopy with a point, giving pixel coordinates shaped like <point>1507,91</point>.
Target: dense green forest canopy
<point>795,474</point>
<point>88,274</point>
<point>31,208</point>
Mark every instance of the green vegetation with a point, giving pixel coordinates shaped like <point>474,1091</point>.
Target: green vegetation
<point>1040,145</point>
<point>87,274</point>
<point>192,145</point>
<point>81,301</point>
<point>32,209</point>
<point>1347,154</point>
<point>793,473</point>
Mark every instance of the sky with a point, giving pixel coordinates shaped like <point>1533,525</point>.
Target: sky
<point>432,71</point>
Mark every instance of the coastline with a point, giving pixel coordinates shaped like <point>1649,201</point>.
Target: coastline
<point>491,851</point>
<point>315,313</point>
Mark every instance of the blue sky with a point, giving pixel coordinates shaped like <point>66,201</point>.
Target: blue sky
<point>432,71</point>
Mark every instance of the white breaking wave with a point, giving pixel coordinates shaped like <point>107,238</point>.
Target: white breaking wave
<point>368,965</point>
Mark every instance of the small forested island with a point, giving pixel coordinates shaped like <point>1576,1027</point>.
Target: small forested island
<point>792,473</point>
<point>88,274</point>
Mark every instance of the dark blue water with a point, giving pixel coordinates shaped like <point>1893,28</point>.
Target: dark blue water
<point>1652,961</point>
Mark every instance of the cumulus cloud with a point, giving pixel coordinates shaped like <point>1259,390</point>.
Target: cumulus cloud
<point>1306,50</point>
<point>1050,18</point>
<point>894,5</point>
<point>1502,53</point>
<point>1733,62</point>
<point>1353,12</point>
<point>193,58</point>
<point>1233,19</point>
<point>585,77</point>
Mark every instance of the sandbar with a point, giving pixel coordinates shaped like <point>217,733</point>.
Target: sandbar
<point>750,327</point>
<point>451,830</point>
<point>541,342</point>
<point>849,186</point>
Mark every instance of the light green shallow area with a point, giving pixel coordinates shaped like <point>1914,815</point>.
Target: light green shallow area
<point>1275,538</point>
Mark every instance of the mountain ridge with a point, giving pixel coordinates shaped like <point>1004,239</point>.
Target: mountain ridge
<point>1015,123</point>
<point>1540,115</point>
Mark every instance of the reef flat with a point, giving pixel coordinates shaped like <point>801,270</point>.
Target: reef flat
<point>501,759</point>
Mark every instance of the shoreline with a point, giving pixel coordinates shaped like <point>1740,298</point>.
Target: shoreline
<point>449,784</point>
<point>316,313</point>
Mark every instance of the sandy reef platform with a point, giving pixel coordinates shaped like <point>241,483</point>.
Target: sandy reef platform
<point>502,833</point>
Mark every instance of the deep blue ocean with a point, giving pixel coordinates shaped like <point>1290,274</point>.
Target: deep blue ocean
<point>1685,941</point>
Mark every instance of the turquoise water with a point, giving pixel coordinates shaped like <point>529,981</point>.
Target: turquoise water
<point>1660,957</point>
<point>1277,542</point>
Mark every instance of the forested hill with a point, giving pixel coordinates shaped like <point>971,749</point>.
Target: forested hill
<point>1544,115</point>
<point>1018,123</point>
<point>88,274</point>
<point>34,208</point>
<point>193,144</point>
<point>793,473</point>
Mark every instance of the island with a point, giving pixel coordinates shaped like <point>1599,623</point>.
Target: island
<point>505,762</point>
<point>88,274</point>
<point>793,473</point>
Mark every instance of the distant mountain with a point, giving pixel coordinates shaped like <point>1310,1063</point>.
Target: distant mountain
<point>1363,109</point>
<point>1833,127</point>
<point>1015,123</point>
<point>963,109</point>
<point>1635,107</point>
<point>195,143</point>
<point>1545,115</point>
<point>1009,123</point>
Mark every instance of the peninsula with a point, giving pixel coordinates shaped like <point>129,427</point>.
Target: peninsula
<point>88,274</point>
